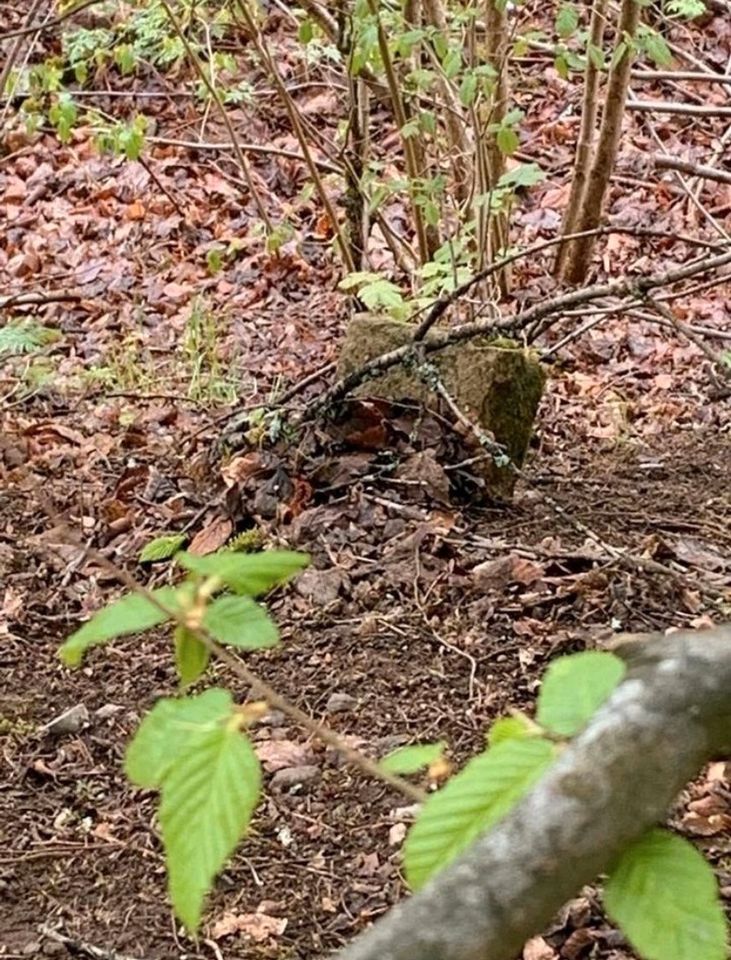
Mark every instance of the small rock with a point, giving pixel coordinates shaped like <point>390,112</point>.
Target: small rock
<point>108,710</point>
<point>31,948</point>
<point>70,721</point>
<point>397,834</point>
<point>340,703</point>
<point>320,586</point>
<point>275,718</point>
<point>294,776</point>
<point>52,948</point>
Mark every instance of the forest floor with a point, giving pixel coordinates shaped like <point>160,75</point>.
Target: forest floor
<point>392,636</point>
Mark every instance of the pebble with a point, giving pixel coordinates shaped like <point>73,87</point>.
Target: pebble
<point>70,721</point>
<point>108,710</point>
<point>340,703</point>
<point>293,776</point>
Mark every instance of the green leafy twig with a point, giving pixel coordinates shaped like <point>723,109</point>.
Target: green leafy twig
<point>259,686</point>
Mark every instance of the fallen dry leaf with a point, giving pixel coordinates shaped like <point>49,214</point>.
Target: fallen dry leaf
<point>241,468</point>
<point>258,927</point>
<point>278,754</point>
<point>212,537</point>
<point>538,949</point>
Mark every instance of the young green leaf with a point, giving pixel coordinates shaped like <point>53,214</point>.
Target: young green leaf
<point>214,260</point>
<point>474,799</point>
<point>191,656</point>
<point>208,797</point>
<point>130,614</point>
<point>356,279</point>
<point>516,727</point>
<point>664,896</point>
<point>250,574</point>
<point>305,31</point>
<point>561,65</point>
<point>468,89</point>
<point>162,548</point>
<point>689,9</point>
<point>165,731</point>
<point>596,55</point>
<point>381,293</point>
<point>574,687</point>
<point>620,51</point>
<point>412,759</point>
<point>567,20</point>
<point>240,622</point>
<point>63,114</point>
<point>524,175</point>
<point>210,780</point>
<point>507,141</point>
<point>655,46</point>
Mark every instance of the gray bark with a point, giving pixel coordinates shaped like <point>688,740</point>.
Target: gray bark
<point>670,715</point>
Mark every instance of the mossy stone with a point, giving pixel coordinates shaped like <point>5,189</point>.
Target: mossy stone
<point>497,382</point>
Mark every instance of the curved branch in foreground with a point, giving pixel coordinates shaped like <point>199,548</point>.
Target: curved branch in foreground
<point>670,715</point>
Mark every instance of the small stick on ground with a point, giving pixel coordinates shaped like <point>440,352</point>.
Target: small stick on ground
<point>81,946</point>
<point>33,299</point>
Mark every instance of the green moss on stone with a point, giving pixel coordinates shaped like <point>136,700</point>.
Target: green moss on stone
<point>497,382</point>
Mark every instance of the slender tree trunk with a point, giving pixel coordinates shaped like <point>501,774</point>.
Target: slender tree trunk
<point>454,120</point>
<point>413,20</point>
<point>493,225</point>
<point>355,205</point>
<point>587,131</point>
<point>578,257</point>
<point>413,153</point>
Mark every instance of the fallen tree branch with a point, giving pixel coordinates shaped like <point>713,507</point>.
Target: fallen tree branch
<point>257,148</point>
<point>687,166</point>
<point>687,109</point>
<point>48,24</point>
<point>694,76</point>
<point>31,299</point>
<point>617,779</point>
<point>531,322</point>
<point>440,306</point>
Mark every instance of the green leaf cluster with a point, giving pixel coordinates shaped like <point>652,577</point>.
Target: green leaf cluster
<point>209,778</point>
<point>25,336</point>
<point>518,754</point>
<point>233,619</point>
<point>192,749</point>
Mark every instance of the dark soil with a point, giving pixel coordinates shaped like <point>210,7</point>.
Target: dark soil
<point>423,650</point>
